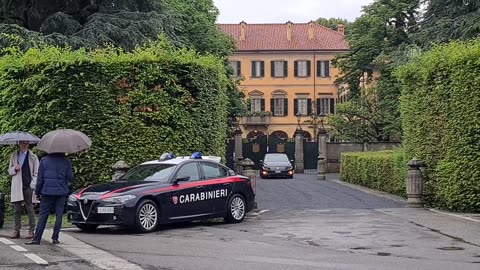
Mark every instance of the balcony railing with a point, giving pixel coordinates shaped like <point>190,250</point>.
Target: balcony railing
<point>256,120</point>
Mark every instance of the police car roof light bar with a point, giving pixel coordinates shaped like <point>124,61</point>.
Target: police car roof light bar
<point>196,155</point>
<point>166,156</point>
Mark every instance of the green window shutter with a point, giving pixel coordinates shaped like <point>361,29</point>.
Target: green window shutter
<point>309,66</point>
<point>285,106</point>
<point>332,105</point>
<point>239,68</point>
<point>253,68</point>
<point>272,69</point>
<point>295,68</point>
<point>309,106</point>
<point>295,106</point>
<point>262,69</point>
<point>262,105</point>
<point>327,68</point>
<point>319,68</point>
<point>285,69</point>
<point>272,106</point>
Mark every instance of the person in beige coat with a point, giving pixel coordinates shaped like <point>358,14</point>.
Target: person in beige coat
<point>24,170</point>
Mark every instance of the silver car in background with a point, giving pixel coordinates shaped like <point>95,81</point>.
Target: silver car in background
<point>276,165</point>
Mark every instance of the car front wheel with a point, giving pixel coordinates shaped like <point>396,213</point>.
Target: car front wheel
<point>147,216</point>
<point>236,209</point>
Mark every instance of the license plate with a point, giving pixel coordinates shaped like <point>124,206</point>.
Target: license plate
<point>278,171</point>
<point>105,210</point>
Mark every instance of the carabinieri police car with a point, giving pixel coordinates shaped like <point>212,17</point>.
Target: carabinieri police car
<point>164,191</point>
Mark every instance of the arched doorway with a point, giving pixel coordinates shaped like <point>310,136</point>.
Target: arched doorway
<point>280,134</point>
<point>252,135</point>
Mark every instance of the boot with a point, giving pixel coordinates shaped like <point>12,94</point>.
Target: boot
<point>30,235</point>
<point>15,235</point>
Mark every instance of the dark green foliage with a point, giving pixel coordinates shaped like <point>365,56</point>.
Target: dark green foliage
<point>332,23</point>
<point>134,106</point>
<point>440,108</point>
<point>379,40</point>
<point>447,20</point>
<point>384,170</point>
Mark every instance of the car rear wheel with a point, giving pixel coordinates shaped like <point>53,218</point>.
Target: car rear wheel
<point>87,227</point>
<point>147,216</point>
<point>236,209</point>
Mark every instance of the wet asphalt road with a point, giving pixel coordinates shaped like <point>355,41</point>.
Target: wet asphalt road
<point>304,192</point>
<point>303,223</point>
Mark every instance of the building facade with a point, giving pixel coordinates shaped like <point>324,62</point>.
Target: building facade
<point>287,75</point>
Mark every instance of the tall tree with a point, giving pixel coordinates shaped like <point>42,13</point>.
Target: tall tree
<point>375,41</point>
<point>447,20</point>
<point>332,23</point>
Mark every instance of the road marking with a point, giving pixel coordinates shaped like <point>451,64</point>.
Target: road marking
<point>6,241</point>
<point>98,257</point>
<point>35,258</point>
<point>263,211</point>
<point>455,215</point>
<point>18,248</point>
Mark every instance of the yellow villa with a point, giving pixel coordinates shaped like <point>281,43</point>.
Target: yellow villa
<point>287,74</point>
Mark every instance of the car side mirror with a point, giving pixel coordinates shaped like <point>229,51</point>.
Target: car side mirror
<point>292,161</point>
<point>231,172</point>
<point>261,161</point>
<point>181,178</point>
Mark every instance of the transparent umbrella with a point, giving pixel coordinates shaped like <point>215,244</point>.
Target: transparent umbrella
<point>64,141</point>
<point>15,137</point>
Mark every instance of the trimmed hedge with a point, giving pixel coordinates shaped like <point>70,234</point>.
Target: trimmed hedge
<point>133,105</point>
<point>440,108</point>
<point>383,170</point>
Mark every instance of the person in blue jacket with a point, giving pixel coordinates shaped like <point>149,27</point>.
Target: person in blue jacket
<point>54,173</point>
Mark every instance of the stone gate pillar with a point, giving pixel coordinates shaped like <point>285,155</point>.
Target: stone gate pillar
<point>238,151</point>
<point>322,154</point>
<point>299,165</point>
<point>415,184</point>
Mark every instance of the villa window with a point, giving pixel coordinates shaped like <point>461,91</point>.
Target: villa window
<point>302,68</point>
<point>323,68</point>
<point>303,106</point>
<point>279,69</point>
<point>237,68</point>
<point>258,69</point>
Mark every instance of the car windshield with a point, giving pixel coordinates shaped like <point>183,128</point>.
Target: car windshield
<point>276,158</point>
<point>150,172</point>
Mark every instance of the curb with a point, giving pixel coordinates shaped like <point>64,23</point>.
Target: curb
<point>470,217</point>
<point>371,191</point>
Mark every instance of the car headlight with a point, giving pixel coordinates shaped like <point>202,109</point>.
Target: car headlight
<point>72,198</point>
<point>119,199</point>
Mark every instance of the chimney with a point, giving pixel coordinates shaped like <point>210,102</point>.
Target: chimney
<point>311,24</point>
<point>243,31</point>
<point>289,30</point>
<point>341,29</point>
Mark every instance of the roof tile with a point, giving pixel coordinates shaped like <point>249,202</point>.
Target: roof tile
<point>273,37</point>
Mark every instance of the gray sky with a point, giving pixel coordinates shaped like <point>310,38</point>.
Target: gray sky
<point>281,11</point>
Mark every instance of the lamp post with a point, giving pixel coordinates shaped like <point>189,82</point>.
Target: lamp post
<point>299,118</point>
<point>322,149</point>
<point>299,166</point>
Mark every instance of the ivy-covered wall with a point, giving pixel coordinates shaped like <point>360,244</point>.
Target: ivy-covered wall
<point>134,106</point>
<point>440,108</point>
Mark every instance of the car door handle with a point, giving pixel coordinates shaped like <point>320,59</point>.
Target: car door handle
<point>227,184</point>
<point>200,187</point>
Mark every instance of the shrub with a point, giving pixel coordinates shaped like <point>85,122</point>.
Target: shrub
<point>383,170</point>
<point>440,108</point>
<point>133,106</point>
